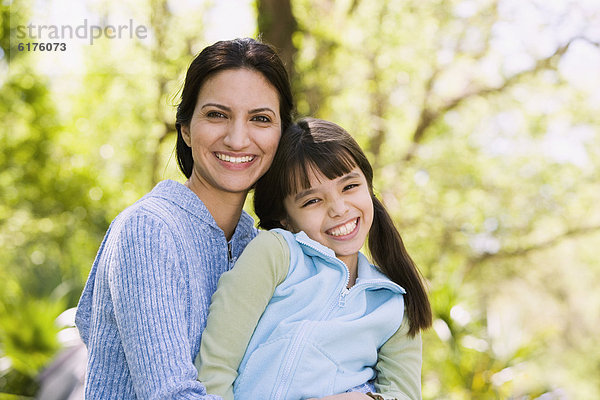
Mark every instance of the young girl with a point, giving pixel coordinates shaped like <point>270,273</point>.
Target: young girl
<point>303,314</point>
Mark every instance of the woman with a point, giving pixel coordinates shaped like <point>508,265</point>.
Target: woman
<point>145,303</point>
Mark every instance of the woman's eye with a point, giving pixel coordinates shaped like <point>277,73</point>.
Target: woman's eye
<point>215,114</point>
<point>261,118</point>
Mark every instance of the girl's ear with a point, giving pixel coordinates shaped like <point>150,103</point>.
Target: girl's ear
<point>287,225</point>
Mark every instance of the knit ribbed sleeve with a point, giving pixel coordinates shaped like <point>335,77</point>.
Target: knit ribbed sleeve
<point>148,290</point>
<point>145,304</point>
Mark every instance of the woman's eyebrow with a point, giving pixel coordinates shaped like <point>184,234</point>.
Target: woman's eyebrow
<point>228,109</point>
<point>221,106</point>
<point>261,109</point>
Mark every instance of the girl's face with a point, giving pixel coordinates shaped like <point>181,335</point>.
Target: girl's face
<point>234,131</point>
<point>337,213</point>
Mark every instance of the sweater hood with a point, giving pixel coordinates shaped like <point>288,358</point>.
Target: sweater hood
<point>172,193</point>
<point>189,201</point>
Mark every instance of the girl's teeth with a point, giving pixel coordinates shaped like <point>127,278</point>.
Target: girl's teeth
<point>235,160</point>
<point>344,229</point>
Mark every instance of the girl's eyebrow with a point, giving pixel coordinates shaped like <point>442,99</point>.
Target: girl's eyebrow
<point>304,193</point>
<point>347,177</point>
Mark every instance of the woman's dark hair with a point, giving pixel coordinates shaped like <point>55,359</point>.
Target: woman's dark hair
<point>317,145</point>
<point>230,54</point>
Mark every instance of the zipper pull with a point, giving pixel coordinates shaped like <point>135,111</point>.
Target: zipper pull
<point>342,300</point>
<point>229,252</point>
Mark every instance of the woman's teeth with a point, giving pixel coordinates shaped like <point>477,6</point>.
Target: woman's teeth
<point>343,229</point>
<point>236,160</point>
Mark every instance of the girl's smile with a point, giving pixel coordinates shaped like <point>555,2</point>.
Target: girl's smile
<point>344,231</point>
<point>337,213</point>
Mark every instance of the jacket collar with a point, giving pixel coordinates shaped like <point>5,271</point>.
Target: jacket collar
<point>367,272</point>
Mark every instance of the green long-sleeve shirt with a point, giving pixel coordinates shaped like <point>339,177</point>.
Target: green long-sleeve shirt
<point>241,297</point>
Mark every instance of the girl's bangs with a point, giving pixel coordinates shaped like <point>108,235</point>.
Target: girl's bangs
<point>326,158</point>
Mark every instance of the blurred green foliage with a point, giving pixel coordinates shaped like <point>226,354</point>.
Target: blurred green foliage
<point>490,167</point>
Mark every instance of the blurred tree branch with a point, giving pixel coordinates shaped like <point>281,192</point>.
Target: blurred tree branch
<point>355,4</point>
<point>473,262</point>
<point>430,115</point>
<point>380,95</point>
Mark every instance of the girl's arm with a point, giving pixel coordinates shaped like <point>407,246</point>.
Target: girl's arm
<point>399,366</point>
<point>241,297</point>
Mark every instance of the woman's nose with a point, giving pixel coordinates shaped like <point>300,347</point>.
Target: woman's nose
<point>237,136</point>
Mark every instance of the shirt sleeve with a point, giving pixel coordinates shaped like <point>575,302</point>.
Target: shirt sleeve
<point>399,366</point>
<point>241,297</point>
<point>149,296</point>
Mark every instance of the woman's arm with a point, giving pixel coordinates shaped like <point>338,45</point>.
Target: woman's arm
<point>399,366</point>
<point>345,396</point>
<point>241,297</point>
<point>149,292</point>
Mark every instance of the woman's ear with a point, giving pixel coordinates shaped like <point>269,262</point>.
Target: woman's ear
<point>185,134</point>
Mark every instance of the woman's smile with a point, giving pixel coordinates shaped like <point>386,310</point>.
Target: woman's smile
<point>233,133</point>
<point>235,161</point>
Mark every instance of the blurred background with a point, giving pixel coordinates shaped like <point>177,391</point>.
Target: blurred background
<point>481,118</point>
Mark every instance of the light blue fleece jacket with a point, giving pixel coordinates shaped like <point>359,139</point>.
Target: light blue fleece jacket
<point>315,335</point>
<point>145,303</point>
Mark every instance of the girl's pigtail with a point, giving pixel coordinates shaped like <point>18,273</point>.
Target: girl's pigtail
<point>389,253</point>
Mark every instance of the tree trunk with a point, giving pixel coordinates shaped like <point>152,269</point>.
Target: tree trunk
<point>276,25</point>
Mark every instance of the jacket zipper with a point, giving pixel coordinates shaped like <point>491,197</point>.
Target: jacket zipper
<point>342,299</point>
<point>345,291</point>
<point>341,302</point>
<point>380,284</point>
<point>300,336</point>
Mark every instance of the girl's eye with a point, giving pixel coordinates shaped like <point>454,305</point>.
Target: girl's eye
<point>215,114</point>
<point>309,202</point>
<point>350,186</point>
<point>261,118</point>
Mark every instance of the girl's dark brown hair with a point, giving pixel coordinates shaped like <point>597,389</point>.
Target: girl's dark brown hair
<point>226,55</point>
<point>317,145</point>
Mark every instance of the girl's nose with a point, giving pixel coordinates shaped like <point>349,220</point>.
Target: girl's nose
<point>338,207</point>
<point>237,136</point>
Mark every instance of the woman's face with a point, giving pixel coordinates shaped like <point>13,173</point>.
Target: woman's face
<point>234,131</point>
